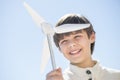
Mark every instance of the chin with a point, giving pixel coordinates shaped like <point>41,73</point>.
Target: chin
<point>76,62</point>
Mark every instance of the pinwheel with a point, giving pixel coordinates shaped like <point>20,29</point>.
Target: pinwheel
<point>48,31</point>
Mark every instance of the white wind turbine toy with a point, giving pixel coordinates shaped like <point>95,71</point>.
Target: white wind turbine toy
<point>48,31</point>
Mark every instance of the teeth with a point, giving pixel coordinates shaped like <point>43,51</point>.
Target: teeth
<point>74,52</point>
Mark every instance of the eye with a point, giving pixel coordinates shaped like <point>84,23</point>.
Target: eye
<point>77,36</point>
<point>63,41</point>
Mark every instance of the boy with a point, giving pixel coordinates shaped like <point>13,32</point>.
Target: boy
<point>75,38</point>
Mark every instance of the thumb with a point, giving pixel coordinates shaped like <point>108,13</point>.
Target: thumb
<point>59,69</point>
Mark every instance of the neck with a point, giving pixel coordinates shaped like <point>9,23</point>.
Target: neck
<point>85,64</point>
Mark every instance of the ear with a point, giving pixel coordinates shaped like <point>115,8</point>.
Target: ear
<point>92,37</point>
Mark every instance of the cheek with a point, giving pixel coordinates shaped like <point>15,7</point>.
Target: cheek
<point>64,50</point>
<point>82,42</point>
<point>85,44</point>
<point>87,48</point>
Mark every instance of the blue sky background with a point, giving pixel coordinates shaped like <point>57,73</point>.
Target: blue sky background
<point>21,41</point>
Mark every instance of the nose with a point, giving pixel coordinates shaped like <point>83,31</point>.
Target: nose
<point>72,44</point>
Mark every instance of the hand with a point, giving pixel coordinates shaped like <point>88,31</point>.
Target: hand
<point>55,75</point>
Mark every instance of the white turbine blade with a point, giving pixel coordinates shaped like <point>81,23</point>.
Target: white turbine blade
<point>45,56</point>
<point>46,27</point>
<point>38,19</point>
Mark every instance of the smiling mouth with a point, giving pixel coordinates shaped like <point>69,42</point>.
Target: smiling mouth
<point>75,52</point>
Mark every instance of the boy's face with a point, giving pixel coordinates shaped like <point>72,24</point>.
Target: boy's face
<point>76,46</point>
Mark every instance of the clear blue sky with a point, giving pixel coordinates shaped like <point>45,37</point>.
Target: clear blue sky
<point>21,41</point>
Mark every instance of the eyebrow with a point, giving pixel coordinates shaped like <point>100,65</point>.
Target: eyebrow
<point>61,36</point>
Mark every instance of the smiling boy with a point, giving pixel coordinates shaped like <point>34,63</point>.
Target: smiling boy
<point>77,45</point>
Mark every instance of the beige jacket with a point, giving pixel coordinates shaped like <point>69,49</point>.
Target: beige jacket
<point>96,72</point>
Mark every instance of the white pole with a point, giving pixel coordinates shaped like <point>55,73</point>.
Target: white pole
<point>51,52</point>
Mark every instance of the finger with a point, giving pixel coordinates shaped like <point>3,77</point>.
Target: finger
<point>55,72</point>
<point>59,70</point>
<point>54,78</point>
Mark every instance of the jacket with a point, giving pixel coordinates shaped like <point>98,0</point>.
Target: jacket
<point>97,72</point>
